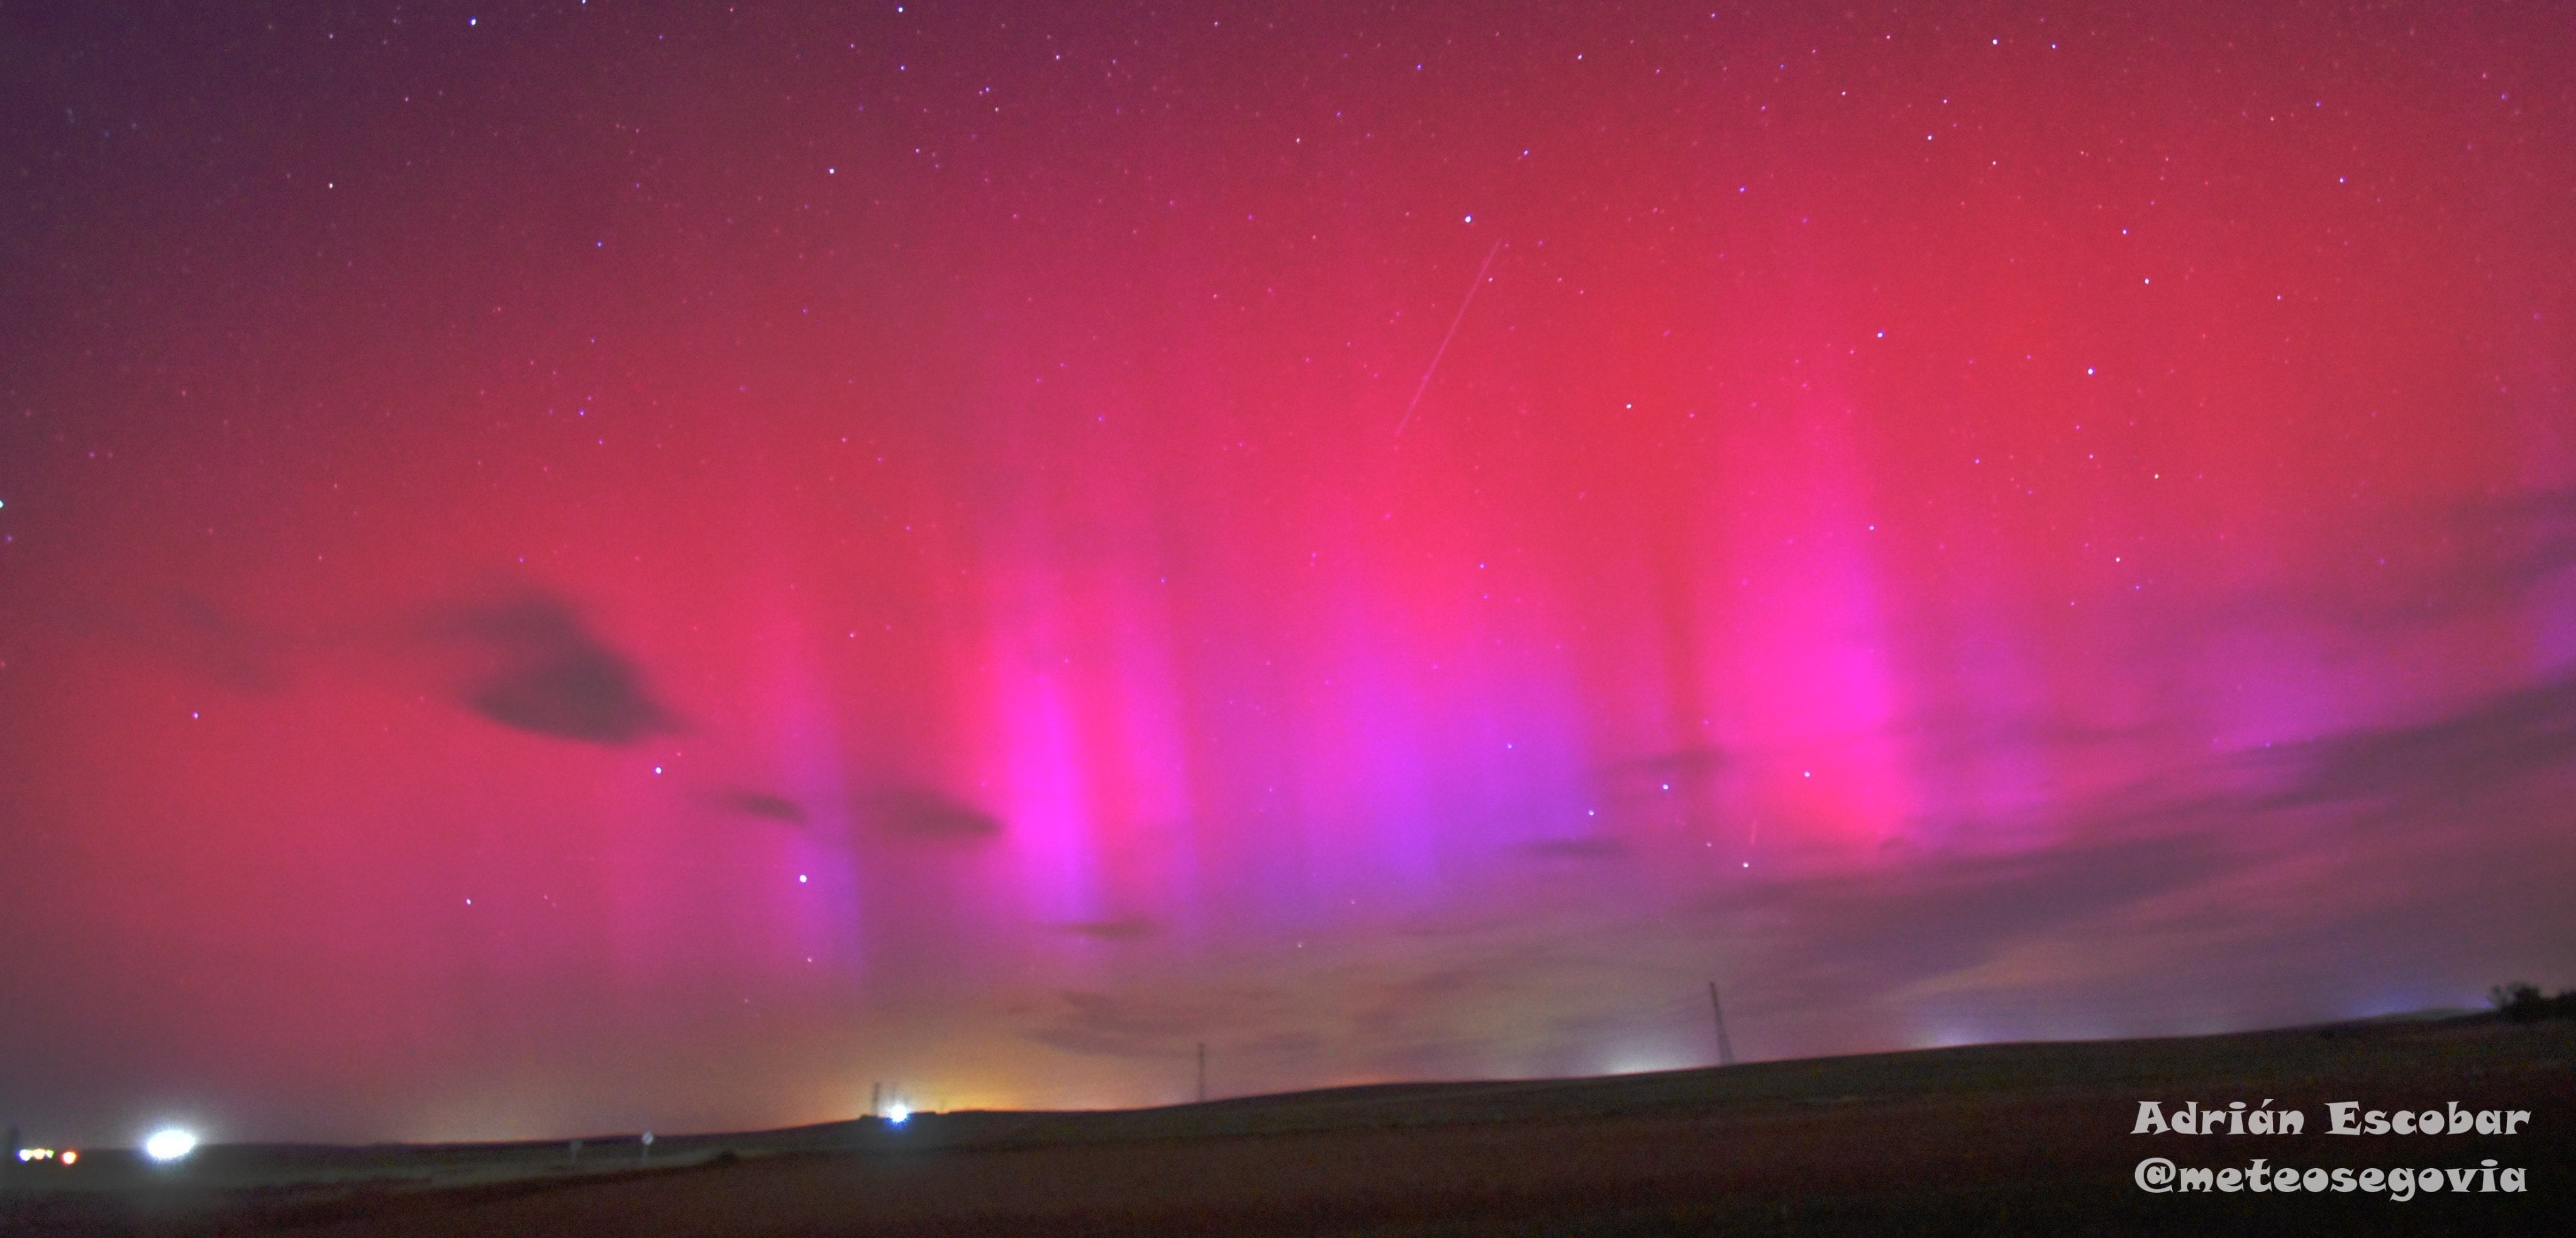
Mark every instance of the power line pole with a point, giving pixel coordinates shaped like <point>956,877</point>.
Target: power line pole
<point>1202,1072</point>
<point>1725,1048</point>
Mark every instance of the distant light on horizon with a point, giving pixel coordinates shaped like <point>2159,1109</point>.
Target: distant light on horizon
<point>169,1144</point>
<point>897,1113</point>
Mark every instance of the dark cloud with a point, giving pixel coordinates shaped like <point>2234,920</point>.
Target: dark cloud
<point>762,804</point>
<point>2499,740</point>
<point>540,669</point>
<point>2527,536</point>
<point>1287,1018</point>
<point>1942,912</point>
<point>1951,733</point>
<point>1124,928</point>
<point>224,649</point>
<point>1587,847</point>
<point>2128,907</point>
<point>192,634</point>
<point>920,813</point>
<point>1680,762</point>
<point>897,812</point>
<point>2363,831</point>
<point>1127,1025</point>
<point>1682,790</point>
<point>2427,562</point>
<point>1694,772</point>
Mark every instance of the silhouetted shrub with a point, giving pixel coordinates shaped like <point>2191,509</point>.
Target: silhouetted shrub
<point>2523,1003</point>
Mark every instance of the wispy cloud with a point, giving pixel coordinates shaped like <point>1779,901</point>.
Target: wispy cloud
<point>922,813</point>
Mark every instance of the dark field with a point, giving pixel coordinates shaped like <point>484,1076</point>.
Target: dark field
<point>2026,1138</point>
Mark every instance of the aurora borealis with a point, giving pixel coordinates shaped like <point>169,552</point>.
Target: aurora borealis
<point>580,567</point>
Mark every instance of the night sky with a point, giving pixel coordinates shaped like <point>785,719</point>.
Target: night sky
<point>574,567</point>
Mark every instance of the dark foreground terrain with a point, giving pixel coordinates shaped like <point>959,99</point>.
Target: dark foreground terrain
<point>2028,1138</point>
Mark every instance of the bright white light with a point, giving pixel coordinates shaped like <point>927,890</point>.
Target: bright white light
<point>169,1144</point>
<point>897,1113</point>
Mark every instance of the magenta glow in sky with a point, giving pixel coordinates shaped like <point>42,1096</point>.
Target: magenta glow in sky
<point>582,567</point>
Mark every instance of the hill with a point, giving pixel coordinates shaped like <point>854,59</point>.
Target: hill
<point>1977,1139</point>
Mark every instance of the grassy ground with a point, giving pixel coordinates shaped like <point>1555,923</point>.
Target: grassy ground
<point>2030,1138</point>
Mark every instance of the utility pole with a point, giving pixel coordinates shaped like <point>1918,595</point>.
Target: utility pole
<point>876,1098</point>
<point>1725,1048</point>
<point>1202,1072</point>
